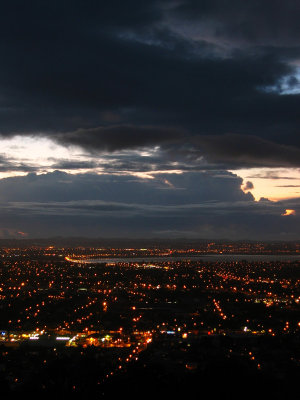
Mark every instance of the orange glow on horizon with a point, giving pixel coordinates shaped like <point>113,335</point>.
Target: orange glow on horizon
<point>289,212</point>
<point>275,184</point>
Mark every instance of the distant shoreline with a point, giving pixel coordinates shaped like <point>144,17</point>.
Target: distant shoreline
<point>207,257</point>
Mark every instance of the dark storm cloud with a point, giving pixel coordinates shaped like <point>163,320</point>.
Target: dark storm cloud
<point>248,186</point>
<point>227,150</point>
<point>9,164</point>
<point>67,164</point>
<point>89,204</point>
<point>273,22</point>
<point>118,137</point>
<point>242,151</point>
<point>112,75</point>
<point>163,189</point>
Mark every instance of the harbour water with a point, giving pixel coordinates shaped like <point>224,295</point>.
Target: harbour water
<point>205,258</point>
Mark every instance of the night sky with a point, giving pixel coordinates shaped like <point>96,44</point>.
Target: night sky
<point>150,119</point>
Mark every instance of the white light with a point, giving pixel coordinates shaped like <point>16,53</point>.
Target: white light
<point>63,338</point>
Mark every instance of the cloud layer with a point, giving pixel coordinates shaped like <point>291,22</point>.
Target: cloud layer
<point>162,98</point>
<point>119,206</point>
<point>114,76</point>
